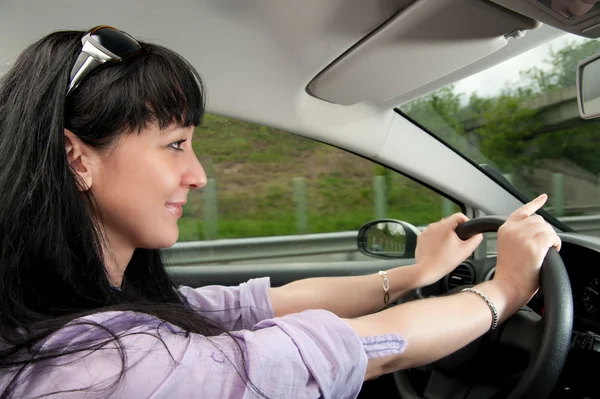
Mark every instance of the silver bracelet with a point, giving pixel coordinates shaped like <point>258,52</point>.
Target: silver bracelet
<point>489,303</point>
<point>386,288</point>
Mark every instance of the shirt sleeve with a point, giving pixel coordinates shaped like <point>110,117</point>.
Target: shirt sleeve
<point>313,354</point>
<point>232,308</point>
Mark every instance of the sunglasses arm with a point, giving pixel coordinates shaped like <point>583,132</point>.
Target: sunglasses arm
<point>90,58</point>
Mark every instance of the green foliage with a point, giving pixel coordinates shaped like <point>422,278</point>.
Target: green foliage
<point>254,167</point>
<point>580,145</point>
<point>439,112</point>
<point>504,131</point>
<point>562,66</point>
<point>503,136</point>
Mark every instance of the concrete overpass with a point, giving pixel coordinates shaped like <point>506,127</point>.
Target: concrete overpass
<point>557,110</point>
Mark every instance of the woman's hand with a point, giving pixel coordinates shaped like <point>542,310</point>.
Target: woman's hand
<point>437,327</point>
<point>523,241</point>
<point>440,250</point>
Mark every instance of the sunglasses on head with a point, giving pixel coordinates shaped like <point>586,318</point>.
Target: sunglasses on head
<point>101,44</point>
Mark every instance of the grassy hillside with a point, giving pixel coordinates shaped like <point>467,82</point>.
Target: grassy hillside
<point>254,167</point>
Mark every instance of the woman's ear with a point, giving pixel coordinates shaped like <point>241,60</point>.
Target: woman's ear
<point>79,157</point>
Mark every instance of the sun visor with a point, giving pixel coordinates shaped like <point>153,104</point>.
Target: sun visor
<point>427,40</point>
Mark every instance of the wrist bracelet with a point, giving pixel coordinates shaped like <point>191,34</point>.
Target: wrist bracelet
<point>489,303</point>
<point>386,288</point>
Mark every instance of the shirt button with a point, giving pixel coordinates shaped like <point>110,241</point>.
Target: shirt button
<point>218,357</point>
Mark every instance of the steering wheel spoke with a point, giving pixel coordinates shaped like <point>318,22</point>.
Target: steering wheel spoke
<point>441,386</point>
<point>522,331</point>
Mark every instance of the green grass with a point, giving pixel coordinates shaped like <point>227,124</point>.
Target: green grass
<point>254,167</point>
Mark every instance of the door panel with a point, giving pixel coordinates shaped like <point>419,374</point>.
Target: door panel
<point>280,274</point>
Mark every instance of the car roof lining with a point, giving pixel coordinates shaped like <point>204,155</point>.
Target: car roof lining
<point>256,57</point>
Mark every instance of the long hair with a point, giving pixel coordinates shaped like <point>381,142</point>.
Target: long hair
<point>52,268</point>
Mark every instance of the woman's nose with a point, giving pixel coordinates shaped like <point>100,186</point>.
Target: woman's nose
<point>194,176</point>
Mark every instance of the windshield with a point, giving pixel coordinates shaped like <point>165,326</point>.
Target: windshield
<point>521,117</point>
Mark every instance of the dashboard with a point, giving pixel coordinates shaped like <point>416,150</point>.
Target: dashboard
<point>583,267</point>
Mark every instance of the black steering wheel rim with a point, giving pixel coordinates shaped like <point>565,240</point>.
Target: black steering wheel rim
<point>546,364</point>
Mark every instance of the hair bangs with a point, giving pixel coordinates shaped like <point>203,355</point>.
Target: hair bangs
<point>171,91</point>
<point>156,87</point>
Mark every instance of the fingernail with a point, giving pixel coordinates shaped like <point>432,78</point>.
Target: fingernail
<point>543,195</point>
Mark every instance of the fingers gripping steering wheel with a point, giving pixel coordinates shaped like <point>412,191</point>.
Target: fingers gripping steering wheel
<point>544,339</point>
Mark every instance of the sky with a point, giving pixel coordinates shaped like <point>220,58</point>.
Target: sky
<point>490,82</point>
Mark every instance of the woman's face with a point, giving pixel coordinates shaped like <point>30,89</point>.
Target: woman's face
<point>575,7</point>
<point>141,184</point>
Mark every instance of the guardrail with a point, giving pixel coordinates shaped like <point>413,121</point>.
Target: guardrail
<point>583,224</point>
<point>249,250</point>
<point>333,247</point>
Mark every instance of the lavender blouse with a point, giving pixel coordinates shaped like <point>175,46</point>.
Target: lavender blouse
<point>312,354</point>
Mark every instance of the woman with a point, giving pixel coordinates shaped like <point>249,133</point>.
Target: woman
<point>96,163</point>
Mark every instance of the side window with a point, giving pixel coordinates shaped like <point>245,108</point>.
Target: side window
<point>265,182</point>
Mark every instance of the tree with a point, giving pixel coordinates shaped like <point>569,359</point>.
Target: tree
<point>438,111</point>
<point>443,114</point>
<point>502,131</point>
<point>562,67</point>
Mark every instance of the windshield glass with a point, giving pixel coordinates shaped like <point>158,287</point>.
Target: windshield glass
<point>521,117</point>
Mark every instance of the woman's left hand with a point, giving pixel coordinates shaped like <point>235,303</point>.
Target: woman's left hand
<point>439,250</point>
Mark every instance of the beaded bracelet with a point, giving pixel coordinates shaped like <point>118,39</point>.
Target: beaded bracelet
<point>489,303</point>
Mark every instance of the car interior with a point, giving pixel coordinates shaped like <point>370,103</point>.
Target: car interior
<point>373,83</point>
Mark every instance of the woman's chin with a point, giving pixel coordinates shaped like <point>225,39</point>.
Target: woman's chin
<point>171,241</point>
<point>164,240</point>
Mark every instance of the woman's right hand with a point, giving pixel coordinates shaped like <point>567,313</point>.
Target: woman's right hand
<point>437,327</point>
<point>523,241</point>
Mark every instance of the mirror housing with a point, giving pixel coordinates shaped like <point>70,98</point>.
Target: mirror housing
<point>388,239</point>
<point>588,87</point>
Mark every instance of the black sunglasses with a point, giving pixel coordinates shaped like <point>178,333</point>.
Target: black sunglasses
<point>100,45</point>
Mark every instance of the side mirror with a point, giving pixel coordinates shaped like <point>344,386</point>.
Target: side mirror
<point>388,239</point>
<point>588,87</point>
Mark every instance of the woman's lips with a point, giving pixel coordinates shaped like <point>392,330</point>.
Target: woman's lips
<point>175,209</point>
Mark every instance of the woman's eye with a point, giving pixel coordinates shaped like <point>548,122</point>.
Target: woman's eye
<point>177,145</point>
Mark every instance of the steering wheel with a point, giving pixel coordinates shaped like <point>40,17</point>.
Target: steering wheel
<point>543,340</point>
